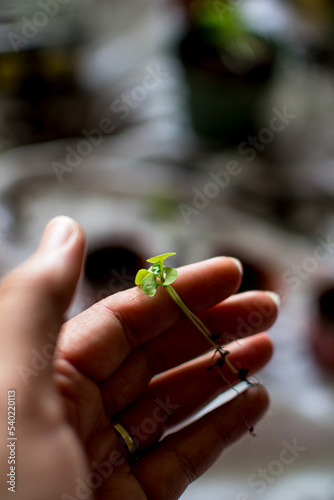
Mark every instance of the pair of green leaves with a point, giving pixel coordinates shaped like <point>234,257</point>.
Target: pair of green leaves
<point>156,275</point>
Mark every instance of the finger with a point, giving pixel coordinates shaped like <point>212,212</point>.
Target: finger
<point>98,340</point>
<point>177,395</point>
<point>180,458</point>
<point>238,316</point>
<point>33,299</point>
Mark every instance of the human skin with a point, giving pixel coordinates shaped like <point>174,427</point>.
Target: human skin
<point>103,368</point>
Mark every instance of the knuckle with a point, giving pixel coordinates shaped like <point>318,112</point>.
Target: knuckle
<point>128,328</point>
<point>183,458</point>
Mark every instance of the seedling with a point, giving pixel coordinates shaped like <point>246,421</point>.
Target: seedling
<point>158,275</point>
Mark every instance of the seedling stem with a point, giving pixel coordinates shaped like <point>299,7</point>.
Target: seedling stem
<point>158,275</point>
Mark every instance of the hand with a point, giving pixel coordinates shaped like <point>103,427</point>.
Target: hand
<point>129,358</point>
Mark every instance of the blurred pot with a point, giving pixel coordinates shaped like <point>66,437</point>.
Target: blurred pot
<point>227,68</point>
<point>224,92</point>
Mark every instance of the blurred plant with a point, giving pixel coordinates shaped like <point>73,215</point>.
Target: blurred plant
<point>225,23</point>
<point>224,27</point>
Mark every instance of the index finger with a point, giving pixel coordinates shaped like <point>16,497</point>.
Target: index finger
<point>98,340</point>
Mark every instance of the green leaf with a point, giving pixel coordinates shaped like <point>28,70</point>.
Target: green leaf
<point>149,285</point>
<point>156,269</point>
<point>142,273</point>
<point>160,258</point>
<point>171,275</point>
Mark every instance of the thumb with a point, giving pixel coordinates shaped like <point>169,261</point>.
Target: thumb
<point>34,298</point>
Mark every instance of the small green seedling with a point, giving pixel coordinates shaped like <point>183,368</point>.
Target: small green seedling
<point>159,275</point>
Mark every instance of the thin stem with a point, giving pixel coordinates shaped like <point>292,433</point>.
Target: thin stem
<point>198,323</point>
<point>201,324</point>
<point>195,320</point>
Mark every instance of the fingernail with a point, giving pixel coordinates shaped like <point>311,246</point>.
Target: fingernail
<point>238,263</point>
<point>57,232</point>
<point>275,298</point>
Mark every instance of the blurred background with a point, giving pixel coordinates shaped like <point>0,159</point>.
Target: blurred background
<point>203,127</point>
